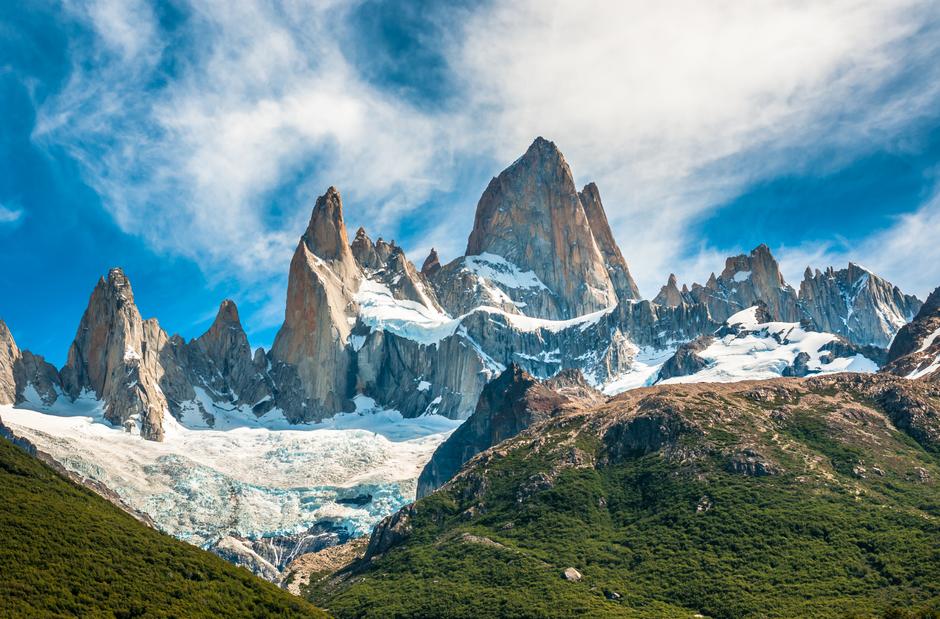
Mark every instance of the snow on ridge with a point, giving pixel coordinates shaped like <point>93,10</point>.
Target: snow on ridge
<point>757,351</point>
<point>497,269</point>
<point>380,310</point>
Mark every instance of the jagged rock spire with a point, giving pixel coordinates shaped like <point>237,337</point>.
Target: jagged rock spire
<point>9,354</point>
<point>432,264</point>
<point>314,360</point>
<point>531,216</point>
<point>624,284</point>
<point>116,354</point>
<point>326,237</point>
<point>670,295</point>
<point>856,304</point>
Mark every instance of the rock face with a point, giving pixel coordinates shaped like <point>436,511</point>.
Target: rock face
<point>9,354</point>
<point>21,370</point>
<point>686,361</point>
<point>509,404</point>
<point>221,362</point>
<point>116,354</point>
<point>311,346</point>
<point>857,304</point>
<point>624,285</point>
<point>861,307</point>
<point>432,264</point>
<point>670,295</point>
<point>915,351</point>
<point>745,280</point>
<point>531,216</point>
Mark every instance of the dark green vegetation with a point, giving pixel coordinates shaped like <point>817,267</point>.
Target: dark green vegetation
<point>786,499</point>
<point>66,552</point>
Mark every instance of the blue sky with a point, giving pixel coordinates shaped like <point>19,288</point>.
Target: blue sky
<point>187,141</point>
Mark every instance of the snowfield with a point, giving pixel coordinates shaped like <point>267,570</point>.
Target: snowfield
<point>759,351</point>
<point>201,484</point>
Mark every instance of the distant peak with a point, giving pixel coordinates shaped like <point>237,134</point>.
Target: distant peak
<point>228,313</point>
<point>432,264</point>
<point>326,232</point>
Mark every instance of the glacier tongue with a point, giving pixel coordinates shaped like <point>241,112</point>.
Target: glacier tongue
<point>203,484</point>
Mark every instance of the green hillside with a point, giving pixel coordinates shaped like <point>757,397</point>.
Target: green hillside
<point>66,552</point>
<point>785,499</point>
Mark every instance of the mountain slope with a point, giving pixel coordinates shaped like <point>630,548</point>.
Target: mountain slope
<point>793,497</point>
<point>915,351</point>
<point>67,552</point>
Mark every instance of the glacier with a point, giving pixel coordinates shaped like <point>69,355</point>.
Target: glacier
<point>203,484</point>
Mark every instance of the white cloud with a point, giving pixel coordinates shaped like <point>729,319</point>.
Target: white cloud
<point>10,215</point>
<point>671,107</point>
<point>674,107</point>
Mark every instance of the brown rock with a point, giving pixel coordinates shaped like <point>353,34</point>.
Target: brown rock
<point>531,215</point>
<point>624,284</point>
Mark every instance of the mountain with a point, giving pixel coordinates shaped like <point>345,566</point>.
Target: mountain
<point>509,404</point>
<point>617,268</point>
<point>24,375</point>
<point>781,498</point>
<point>532,216</point>
<point>543,286</point>
<point>915,351</point>
<point>67,552</point>
<point>856,304</point>
<point>311,347</point>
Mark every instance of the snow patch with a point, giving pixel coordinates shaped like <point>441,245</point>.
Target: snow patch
<point>497,269</point>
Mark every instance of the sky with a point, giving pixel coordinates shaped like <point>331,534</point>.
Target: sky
<point>187,141</point>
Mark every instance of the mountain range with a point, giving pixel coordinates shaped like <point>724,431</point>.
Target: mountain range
<point>543,285</point>
<point>542,412</point>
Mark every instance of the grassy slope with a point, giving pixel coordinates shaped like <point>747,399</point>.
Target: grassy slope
<point>825,544</point>
<point>66,552</point>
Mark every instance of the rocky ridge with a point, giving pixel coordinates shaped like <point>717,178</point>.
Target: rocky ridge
<point>543,286</point>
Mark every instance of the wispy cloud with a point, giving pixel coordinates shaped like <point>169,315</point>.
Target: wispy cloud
<point>675,107</point>
<point>212,140</point>
<point>10,215</point>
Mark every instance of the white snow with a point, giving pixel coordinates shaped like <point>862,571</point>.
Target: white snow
<point>930,369</point>
<point>201,484</point>
<point>742,276</point>
<point>380,310</point>
<point>928,341</point>
<point>757,354</point>
<point>642,371</point>
<point>527,323</point>
<point>754,354</point>
<point>497,269</point>
<point>423,385</point>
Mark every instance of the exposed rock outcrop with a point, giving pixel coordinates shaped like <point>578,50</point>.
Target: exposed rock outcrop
<point>314,373</point>
<point>686,360</point>
<point>116,354</point>
<point>432,264</point>
<point>509,404</point>
<point>9,354</point>
<point>915,351</point>
<point>856,304</point>
<point>624,284</point>
<point>745,280</point>
<point>531,215</point>
<point>221,361</point>
<point>21,370</point>
<point>670,295</point>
